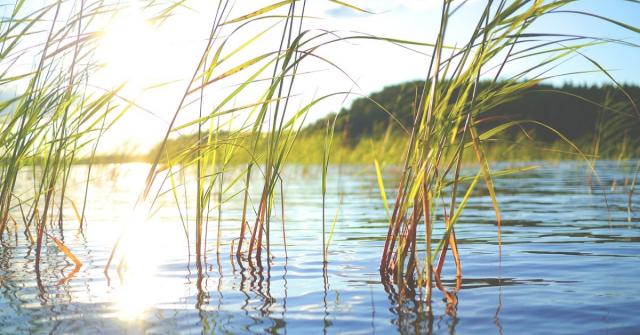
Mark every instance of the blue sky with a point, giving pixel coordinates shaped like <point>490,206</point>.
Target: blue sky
<point>144,56</point>
<point>418,20</point>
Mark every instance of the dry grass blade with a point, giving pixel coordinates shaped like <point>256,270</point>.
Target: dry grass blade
<point>66,251</point>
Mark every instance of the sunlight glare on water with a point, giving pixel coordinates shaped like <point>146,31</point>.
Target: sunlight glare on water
<point>147,244</point>
<point>560,256</point>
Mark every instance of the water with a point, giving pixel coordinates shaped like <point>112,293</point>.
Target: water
<point>569,264</point>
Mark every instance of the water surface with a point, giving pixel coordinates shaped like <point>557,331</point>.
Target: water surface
<point>569,262</point>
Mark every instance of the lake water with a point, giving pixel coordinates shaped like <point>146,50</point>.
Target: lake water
<point>569,264</point>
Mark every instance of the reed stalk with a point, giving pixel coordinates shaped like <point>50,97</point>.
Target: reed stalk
<point>57,115</point>
<point>446,124</point>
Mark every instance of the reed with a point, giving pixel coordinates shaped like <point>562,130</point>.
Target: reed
<point>57,117</point>
<point>264,130</point>
<point>53,115</point>
<point>446,125</point>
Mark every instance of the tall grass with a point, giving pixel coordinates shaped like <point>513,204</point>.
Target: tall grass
<point>264,130</point>
<point>52,117</point>
<point>432,190</point>
<point>57,117</point>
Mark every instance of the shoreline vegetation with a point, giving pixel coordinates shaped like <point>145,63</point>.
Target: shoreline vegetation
<point>597,119</point>
<point>429,128</point>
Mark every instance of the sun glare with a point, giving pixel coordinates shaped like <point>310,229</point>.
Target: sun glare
<point>127,51</point>
<point>137,292</point>
<point>146,246</point>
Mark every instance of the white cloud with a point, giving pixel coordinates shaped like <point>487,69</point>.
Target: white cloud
<point>418,4</point>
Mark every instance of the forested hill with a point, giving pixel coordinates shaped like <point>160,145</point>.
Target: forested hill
<point>575,111</point>
<point>600,120</point>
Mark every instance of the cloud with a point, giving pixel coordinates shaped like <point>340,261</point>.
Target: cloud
<point>383,6</point>
<point>417,4</point>
<point>342,12</point>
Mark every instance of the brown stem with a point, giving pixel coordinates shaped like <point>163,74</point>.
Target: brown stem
<point>384,263</point>
<point>244,211</point>
<point>284,235</point>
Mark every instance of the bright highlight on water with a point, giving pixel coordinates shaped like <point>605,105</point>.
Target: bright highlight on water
<point>223,167</point>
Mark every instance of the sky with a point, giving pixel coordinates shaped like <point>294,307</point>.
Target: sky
<point>140,54</point>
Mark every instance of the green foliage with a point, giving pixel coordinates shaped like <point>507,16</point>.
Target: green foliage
<point>52,116</point>
<point>456,115</point>
<point>581,113</point>
<point>584,114</point>
<point>429,127</point>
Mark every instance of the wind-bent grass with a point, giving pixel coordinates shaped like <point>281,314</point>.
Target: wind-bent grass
<point>446,125</point>
<point>53,115</point>
<point>268,127</point>
<point>57,115</point>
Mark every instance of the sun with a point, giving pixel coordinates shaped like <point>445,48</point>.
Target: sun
<point>128,52</point>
